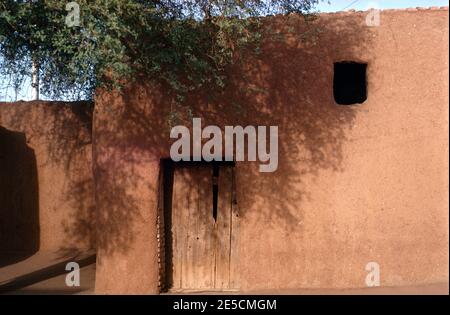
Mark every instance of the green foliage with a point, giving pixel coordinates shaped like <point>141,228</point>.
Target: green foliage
<point>185,44</point>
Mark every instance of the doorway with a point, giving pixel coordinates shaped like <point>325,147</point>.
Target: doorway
<point>201,226</point>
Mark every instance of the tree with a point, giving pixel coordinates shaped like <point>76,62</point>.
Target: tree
<point>182,43</point>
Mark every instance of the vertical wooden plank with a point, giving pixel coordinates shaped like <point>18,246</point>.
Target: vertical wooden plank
<point>223,230</point>
<point>234,234</point>
<point>191,192</point>
<point>193,254</point>
<point>198,262</point>
<point>205,242</point>
<point>192,227</point>
<point>176,229</point>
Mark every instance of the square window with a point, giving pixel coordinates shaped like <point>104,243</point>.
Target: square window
<point>349,83</point>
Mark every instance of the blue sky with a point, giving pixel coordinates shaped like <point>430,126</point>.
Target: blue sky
<point>339,5</point>
<point>325,6</point>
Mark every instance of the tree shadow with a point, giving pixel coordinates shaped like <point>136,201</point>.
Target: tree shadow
<point>19,198</point>
<point>61,135</point>
<point>289,85</point>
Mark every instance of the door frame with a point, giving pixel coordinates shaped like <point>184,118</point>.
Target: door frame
<point>164,224</point>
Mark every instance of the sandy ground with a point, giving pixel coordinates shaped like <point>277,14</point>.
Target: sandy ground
<point>56,285</point>
<point>436,288</point>
<point>46,271</point>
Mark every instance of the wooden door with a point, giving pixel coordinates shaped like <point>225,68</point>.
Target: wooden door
<point>204,243</point>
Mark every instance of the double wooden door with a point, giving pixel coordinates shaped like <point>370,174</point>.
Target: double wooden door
<point>204,228</point>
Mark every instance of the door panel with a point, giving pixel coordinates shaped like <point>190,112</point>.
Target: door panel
<point>201,246</point>
<point>223,229</point>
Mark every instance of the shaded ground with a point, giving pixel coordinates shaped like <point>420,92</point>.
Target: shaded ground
<point>44,270</point>
<point>56,285</point>
<point>44,273</point>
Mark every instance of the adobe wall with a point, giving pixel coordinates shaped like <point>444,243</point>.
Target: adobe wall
<point>355,184</point>
<point>46,181</point>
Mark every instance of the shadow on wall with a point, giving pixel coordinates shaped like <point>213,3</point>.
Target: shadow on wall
<point>290,85</point>
<point>61,135</point>
<point>19,199</point>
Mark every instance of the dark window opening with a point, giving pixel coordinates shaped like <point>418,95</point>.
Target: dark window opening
<point>349,83</point>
